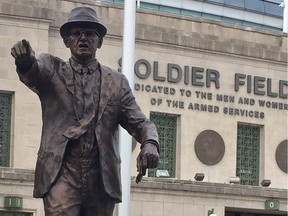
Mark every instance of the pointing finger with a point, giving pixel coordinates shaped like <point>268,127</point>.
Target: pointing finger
<point>13,52</point>
<point>27,46</point>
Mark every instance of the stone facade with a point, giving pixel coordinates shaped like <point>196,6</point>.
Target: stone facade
<point>166,39</point>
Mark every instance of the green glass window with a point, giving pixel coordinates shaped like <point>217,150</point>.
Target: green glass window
<point>166,126</point>
<point>248,150</point>
<point>9,213</point>
<point>5,125</point>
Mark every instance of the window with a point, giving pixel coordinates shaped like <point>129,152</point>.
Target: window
<point>235,3</point>
<point>273,9</point>
<point>248,150</point>
<point>254,5</point>
<point>166,126</point>
<point>10,213</point>
<point>217,1</point>
<point>5,125</point>
<point>274,1</point>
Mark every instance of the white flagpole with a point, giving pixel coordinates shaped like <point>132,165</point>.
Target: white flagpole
<point>128,70</point>
<point>284,5</point>
<point>285,16</point>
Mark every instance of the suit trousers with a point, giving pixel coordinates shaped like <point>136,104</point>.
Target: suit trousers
<point>78,191</point>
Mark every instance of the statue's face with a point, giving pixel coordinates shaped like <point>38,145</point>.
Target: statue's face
<point>83,44</point>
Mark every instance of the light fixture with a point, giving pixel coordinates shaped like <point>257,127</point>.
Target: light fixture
<point>199,176</point>
<point>234,180</point>
<point>162,173</point>
<point>211,212</point>
<point>266,183</point>
<point>282,4</point>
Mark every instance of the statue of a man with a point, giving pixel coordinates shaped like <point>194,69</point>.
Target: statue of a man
<point>83,102</point>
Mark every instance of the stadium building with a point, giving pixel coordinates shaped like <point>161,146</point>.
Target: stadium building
<point>212,76</point>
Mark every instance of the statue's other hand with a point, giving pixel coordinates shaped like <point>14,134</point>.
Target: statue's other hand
<point>23,54</point>
<point>147,158</point>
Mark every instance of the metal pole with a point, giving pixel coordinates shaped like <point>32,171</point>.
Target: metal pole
<point>128,70</point>
<point>285,17</point>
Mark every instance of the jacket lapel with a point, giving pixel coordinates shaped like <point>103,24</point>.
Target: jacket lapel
<point>67,76</point>
<point>105,91</point>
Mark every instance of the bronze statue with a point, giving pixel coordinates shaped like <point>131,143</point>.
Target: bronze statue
<point>83,102</point>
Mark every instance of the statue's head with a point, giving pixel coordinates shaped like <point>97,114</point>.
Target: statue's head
<point>83,33</point>
<point>83,17</point>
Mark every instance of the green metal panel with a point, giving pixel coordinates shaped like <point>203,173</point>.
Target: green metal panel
<point>169,9</point>
<point>211,16</point>
<point>191,13</point>
<point>248,148</point>
<point>149,6</point>
<point>5,125</point>
<point>11,213</point>
<point>232,21</point>
<point>256,25</point>
<point>272,204</point>
<point>167,127</point>
<point>114,1</point>
<point>119,1</point>
<point>13,202</point>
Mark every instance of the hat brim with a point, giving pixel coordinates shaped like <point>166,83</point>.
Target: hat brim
<point>66,27</point>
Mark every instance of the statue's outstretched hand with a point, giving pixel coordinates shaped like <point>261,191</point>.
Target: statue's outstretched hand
<point>147,158</point>
<point>23,54</point>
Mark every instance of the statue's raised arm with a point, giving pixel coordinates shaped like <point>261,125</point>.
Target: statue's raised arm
<point>23,54</point>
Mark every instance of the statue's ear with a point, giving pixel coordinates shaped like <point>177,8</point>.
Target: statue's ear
<point>66,42</point>
<point>100,43</point>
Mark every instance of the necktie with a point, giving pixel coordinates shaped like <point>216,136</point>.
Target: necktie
<point>75,131</point>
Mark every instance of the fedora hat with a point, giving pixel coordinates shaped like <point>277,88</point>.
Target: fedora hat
<point>82,17</point>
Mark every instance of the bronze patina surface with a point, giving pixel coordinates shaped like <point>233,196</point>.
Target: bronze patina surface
<point>83,102</point>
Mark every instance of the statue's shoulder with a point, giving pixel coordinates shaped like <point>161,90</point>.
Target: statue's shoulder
<point>48,58</point>
<point>110,71</point>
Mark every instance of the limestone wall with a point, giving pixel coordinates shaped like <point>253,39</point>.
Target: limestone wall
<point>166,39</point>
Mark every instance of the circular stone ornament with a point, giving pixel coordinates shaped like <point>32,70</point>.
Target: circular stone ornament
<point>209,147</point>
<point>281,155</point>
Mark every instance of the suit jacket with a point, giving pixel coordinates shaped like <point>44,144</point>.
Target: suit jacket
<point>52,80</point>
